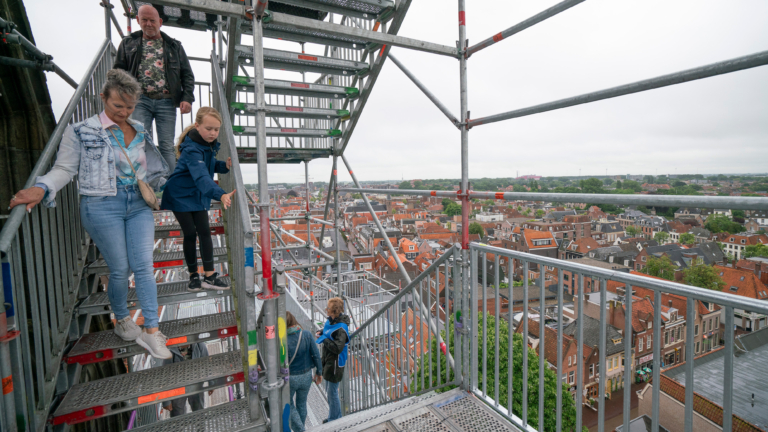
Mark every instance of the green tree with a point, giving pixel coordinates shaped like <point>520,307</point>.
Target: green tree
<point>618,184</point>
<point>519,188</point>
<point>631,231</point>
<point>661,237</point>
<point>758,250</point>
<point>738,214</point>
<point>632,185</point>
<point>592,185</point>
<point>446,202</point>
<point>678,184</point>
<point>660,267</point>
<point>476,228</point>
<point>515,366</point>
<point>703,276</point>
<point>539,214</point>
<point>405,185</point>
<point>687,238</point>
<point>607,182</point>
<point>720,223</point>
<point>453,209</point>
<point>418,184</point>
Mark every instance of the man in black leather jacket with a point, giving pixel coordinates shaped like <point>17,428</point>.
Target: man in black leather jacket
<point>162,68</point>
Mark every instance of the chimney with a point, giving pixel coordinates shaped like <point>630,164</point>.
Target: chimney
<point>669,303</point>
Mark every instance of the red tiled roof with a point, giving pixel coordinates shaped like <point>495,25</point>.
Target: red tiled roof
<point>531,235</point>
<point>748,284</point>
<point>704,406</point>
<point>583,245</point>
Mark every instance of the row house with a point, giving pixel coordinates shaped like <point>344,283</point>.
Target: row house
<point>612,230</point>
<point>675,229</point>
<point>408,248</point>
<point>759,266</point>
<point>736,244</point>
<point>370,237</point>
<point>561,230</point>
<point>614,356</point>
<point>582,225</point>
<point>747,284</point>
<point>577,248</point>
<point>629,217</point>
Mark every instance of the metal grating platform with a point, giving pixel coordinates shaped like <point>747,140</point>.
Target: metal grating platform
<point>291,111</point>
<point>287,132</point>
<point>167,293</point>
<point>229,417</point>
<point>368,9</point>
<point>119,393</point>
<point>176,259</point>
<point>281,155</point>
<point>106,345</point>
<point>453,411</point>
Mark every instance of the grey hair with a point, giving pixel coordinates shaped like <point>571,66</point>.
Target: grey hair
<point>121,82</point>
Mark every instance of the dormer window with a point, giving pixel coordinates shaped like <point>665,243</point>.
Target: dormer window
<point>734,289</point>
<point>743,241</point>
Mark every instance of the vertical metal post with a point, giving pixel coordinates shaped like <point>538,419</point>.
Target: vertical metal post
<point>310,271</point>
<point>559,395</point>
<point>525,344</point>
<point>728,370</point>
<point>8,404</point>
<point>688,354</point>
<point>656,360</point>
<point>542,344</point>
<point>579,351</point>
<point>107,22</point>
<point>336,218</point>
<point>464,175</point>
<point>603,367</point>
<point>268,295</point>
<point>628,361</point>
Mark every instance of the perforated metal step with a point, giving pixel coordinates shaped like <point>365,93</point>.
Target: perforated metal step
<point>100,398</point>
<point>167,293</point>
<point>230,417</point>
<point>297,62</point>
<point>289,33</point>
<point>106,345</point>
<point>287,132</point>
<point>176,259</point>
<point>174,231</point>
<point>291,111</point>
<point>292,88</point>
<point>283,155</point>
<point>368,9</point>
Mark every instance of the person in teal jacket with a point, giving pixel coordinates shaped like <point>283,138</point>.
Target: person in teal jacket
<point>190,189</point>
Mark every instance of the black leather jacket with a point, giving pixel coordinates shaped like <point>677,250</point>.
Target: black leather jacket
<point>178,72</point>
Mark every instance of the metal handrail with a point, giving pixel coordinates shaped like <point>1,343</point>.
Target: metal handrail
<point>17,214</point>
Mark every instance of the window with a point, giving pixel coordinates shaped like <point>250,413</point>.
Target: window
<point>649,342</point>
<point>591,370</point>
<point>743,241</point>
<point>734,289</point>
<point>697,347</point>
<point>565,377</point>
<point>696,330</point>
<point>570,377</point>
<point>643,259</point>
<point>569,360</point>
<point>717,322</point>
<point>710,325</point>
<point>640,345</point>
<point>666,338</point>
<point>574,359</point>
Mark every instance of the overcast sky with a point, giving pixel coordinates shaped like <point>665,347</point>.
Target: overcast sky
<point>716,125</point>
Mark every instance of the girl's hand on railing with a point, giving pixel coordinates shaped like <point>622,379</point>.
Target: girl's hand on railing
<point>229,162</point>
<point>226,200</point>
<point>318,379</point>
<point>31,197</point>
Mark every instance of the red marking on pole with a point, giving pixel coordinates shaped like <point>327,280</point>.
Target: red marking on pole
<point>334,172</point>
<point>7,385</point>
<point>229,331</point>
<point>176,341</point>
<point>79,416</point>
<point>442,347</point>
<point>306,57</point>
<point>433,193</point>
<point>499,195</point>
<point>350,172</point>
<point>498,37</point>
<point>297,109</point>
<point>376,26</point>
<point>174,233</point>
<point>300,85</point>
<point>93,357</point>
<point>462,18</point>
<point>288,130</point>
<point>168,264</point>
<point>217,230</point>
<point>381,51</point>
<point>270,331</point>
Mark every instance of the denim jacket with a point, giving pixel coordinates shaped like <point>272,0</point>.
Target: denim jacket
<point>87,152</point>
<point>308,356</point>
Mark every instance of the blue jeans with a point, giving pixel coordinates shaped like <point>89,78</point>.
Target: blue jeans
<point>334,403</point>
<point>163,112</point>
<point>300,385</point>
<point>123,228</point>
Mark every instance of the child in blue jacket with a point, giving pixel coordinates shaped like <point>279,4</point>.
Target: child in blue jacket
<point>189,191</point>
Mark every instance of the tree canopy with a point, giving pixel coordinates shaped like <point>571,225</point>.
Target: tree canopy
<point>720,223</point>
<point>703,276</point>
<point>631,230</point>
<point>687,238</point>
<point>551,380</point>
<point>661,237</point>
<point>660,267</point>
<point>758,250</point>
<point>453,209</point>
<point>476,228</point>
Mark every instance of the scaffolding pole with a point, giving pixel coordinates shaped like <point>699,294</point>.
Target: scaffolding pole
<point>400,267</point>
<point>426,91</point>
<point>308,272</point>
<point>464,195</point>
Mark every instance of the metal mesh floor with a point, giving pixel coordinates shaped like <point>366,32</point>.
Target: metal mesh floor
<point>174,256</point>
<point>125,387</point>
<point>165,293</point>
<point>105,340</point>
<point>223,418</point>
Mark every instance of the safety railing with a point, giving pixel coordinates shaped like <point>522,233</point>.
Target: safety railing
<point>43,254</point>
<point>503,369</point>
<point>391,353</point>
<point>240,238</point>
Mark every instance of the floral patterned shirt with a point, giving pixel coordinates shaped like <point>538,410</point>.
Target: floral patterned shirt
<point>152,67</point>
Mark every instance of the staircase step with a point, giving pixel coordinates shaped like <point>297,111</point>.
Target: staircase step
<point>367,9</point>
<point>283,155</point>
<point>174,231</point>
<point>100,398</point>
<point>106,345</point>
<point>167,293</point>
<point>289,33</point>
<point>230,417</point>
<point>291,88</point>
<point>292,111</point>
<point>288,132</point>
<point>297,62</point>
<point>176,259</point>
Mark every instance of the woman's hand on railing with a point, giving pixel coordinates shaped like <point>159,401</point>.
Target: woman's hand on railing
<point>226,200</point>
<point>31,197</point>
<point>318,379</point>
<point>229,162</point>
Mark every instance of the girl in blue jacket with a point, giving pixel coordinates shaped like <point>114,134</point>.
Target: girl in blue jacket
<point>189,191</point>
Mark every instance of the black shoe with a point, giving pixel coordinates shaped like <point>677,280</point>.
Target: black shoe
<point>194,283</point>
<point>213,282</point>
<point>325,421</point>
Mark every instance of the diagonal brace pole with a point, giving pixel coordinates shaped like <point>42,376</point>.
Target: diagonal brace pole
<point>426,91</point>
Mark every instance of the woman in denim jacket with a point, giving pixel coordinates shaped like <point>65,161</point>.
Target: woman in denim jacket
<point>112,209</point>
<point>304,356</point>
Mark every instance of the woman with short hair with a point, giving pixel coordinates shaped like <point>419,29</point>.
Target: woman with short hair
<point>334,337</point>
<point>110,153</point>
<point>303,358</point>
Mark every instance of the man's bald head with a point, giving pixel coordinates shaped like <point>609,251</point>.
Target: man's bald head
<point>149,21</point>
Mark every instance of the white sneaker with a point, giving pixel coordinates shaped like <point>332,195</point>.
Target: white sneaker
<point>155,344</point>
<point>127,329</point>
